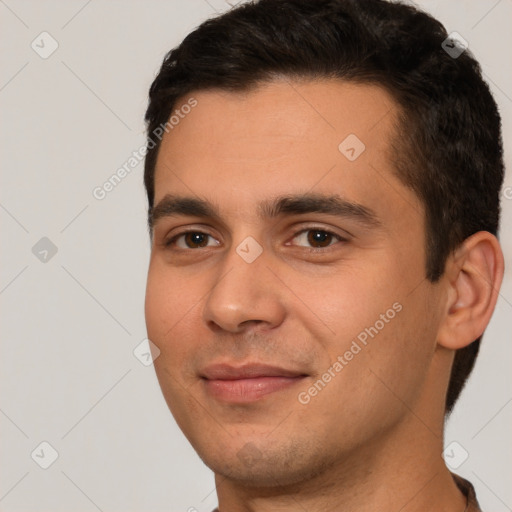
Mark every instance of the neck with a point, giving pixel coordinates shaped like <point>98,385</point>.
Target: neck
<point>408,475</point>
<point>398,470</point>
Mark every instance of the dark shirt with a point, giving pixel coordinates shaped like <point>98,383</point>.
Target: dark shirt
<point>465,487</point>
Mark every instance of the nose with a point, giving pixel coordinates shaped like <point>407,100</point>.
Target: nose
<point>244,295</point>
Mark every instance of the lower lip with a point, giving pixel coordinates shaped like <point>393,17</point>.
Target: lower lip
<point>248,390</point>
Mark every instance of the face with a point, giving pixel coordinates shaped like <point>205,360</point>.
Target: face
<point>286,289</point>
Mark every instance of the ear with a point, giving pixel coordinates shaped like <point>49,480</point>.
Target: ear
<point>474,274</point>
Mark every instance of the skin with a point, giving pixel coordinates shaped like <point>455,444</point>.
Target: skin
<point>371,439</point>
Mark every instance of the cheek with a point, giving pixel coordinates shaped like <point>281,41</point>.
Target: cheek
<point>165,311</point>
<point>397,358</point>
<point>173,307</point>
<point>350,300</point>
<point>168,300</point>
<point>374,384</point>
<point>383,333</point>
<point>158,303</point>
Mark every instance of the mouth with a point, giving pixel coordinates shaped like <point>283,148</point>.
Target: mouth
<point>247,383</point>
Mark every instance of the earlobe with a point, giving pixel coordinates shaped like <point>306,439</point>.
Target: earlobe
<point>474,274</point>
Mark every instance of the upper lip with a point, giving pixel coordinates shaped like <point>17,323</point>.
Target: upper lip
<point>246,371</point>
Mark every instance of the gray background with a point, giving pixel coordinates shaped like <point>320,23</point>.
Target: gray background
<point>70,324</point>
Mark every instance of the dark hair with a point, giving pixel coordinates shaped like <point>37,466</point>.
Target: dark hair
<point>448,142</point>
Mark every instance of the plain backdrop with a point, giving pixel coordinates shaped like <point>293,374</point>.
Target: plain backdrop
<point>73,268</point>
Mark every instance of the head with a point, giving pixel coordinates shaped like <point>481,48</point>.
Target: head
<point>274,88</point>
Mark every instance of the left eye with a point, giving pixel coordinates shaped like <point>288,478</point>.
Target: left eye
<point>317,238</point>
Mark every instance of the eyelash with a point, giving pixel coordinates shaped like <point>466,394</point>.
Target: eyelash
<point>169,243</point>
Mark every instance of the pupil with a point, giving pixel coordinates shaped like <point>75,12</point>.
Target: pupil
<point>319,237</point>
<point>196,239</point>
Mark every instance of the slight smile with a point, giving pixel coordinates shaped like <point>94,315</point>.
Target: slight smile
<point>247,383</point>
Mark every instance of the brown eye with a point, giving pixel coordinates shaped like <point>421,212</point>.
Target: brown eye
<point>191,240</point>
<point>316,238</point>
<point>319,238</point>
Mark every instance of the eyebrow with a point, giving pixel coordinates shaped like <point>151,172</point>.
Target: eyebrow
<point>174,205</point>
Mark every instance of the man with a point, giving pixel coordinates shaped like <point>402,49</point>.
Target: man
<point>323,180</point>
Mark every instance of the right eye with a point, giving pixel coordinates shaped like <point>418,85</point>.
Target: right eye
<point>187,240</point>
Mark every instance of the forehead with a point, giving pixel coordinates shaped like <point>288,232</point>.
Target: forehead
<point>279,111</point>
<point>281,137</point>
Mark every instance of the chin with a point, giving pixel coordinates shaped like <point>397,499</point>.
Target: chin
<point>256,465</point>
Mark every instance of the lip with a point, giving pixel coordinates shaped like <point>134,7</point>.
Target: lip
<point>247,383</point>
<point>246,371</point>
